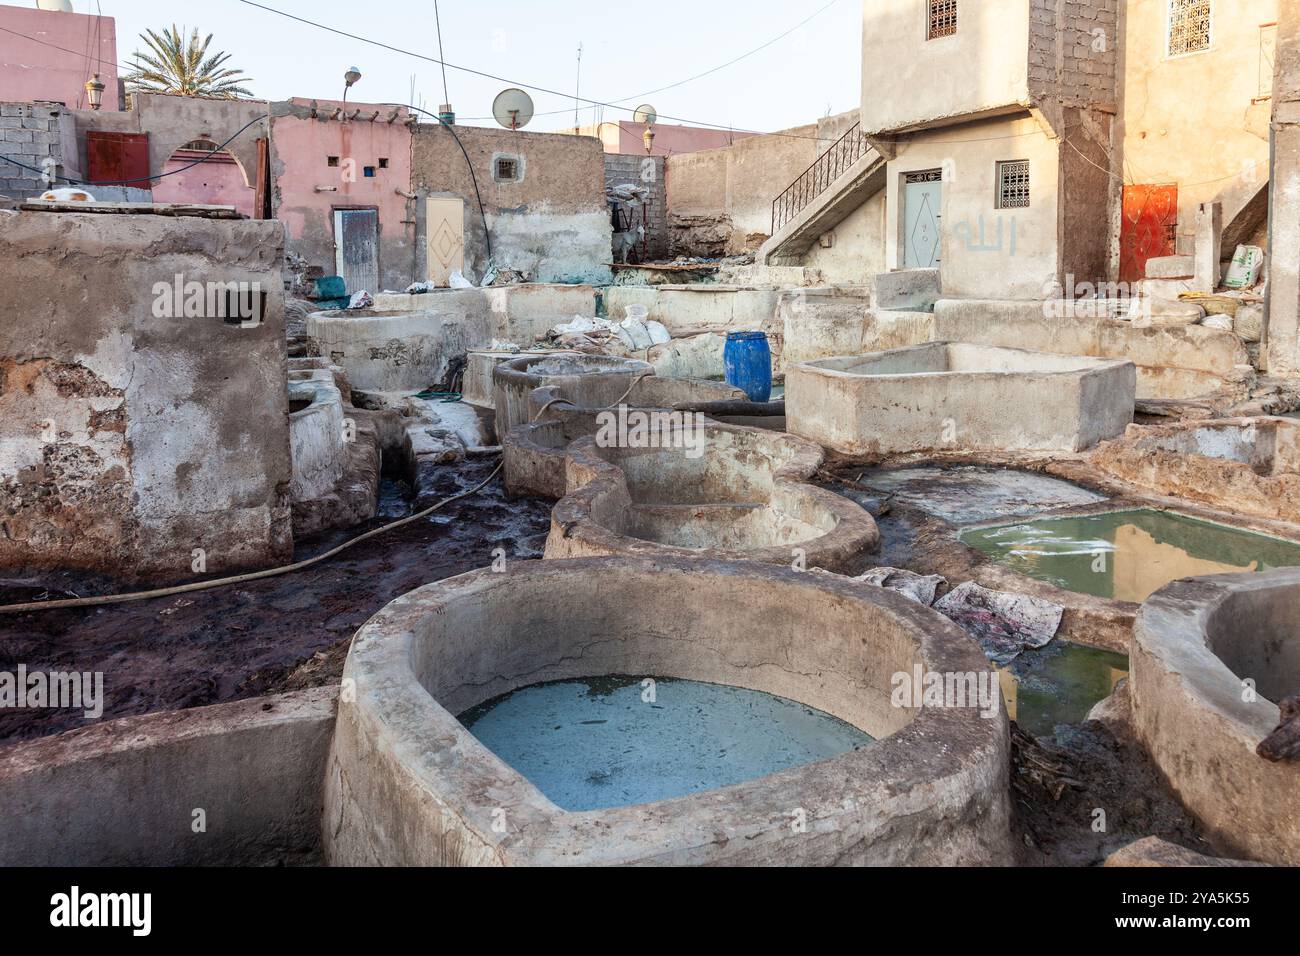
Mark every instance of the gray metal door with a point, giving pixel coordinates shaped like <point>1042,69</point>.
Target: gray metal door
<point>922,213</point>
<point>356,248</point>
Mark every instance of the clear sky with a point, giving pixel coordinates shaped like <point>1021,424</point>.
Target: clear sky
<point>628,48</point>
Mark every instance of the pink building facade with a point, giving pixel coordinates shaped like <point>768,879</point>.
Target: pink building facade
<point>49,56</point>
<point>341,181</point>
<point>628,138</point>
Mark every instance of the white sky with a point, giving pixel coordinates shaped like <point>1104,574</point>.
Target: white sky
<point>629,48</point>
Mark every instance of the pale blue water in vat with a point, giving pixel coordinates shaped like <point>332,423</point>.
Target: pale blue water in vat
<point>597,743</point>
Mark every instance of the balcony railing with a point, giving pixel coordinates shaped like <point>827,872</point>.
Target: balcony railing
<point>819,177</point>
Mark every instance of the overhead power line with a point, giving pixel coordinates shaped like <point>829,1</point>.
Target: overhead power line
<point>506,80</point>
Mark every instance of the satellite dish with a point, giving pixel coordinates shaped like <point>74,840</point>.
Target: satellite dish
<point>58,6</point>
<point>513,108</point>
<point>645,113</point>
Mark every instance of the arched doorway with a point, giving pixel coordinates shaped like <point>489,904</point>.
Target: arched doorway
<point>217,180</point>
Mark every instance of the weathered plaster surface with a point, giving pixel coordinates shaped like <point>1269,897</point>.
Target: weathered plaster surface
<point>125,792</point>
<point>129,439</point>
<point>553,224</point>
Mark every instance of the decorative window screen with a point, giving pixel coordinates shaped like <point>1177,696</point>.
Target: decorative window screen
<point>1189,26</point>
<point>942,20</point>
<point>1013,184</point>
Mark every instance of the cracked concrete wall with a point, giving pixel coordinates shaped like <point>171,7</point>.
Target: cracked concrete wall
<point>552,222</point>
<point>130,438</point>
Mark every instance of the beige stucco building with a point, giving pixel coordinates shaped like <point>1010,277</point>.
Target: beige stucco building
<point>1022,145</point>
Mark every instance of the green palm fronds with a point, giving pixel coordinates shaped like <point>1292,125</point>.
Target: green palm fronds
<point>184,68</point>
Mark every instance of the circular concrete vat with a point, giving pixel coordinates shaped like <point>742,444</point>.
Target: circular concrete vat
<point>387,351</point>
<point>744,495</point>
<point>534,452</point>
<point>1195,645</point>
<point>408,784</point>
<point>316,442</point>
<point>587,381</point>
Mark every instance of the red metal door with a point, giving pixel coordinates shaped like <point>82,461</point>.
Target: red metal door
<point>117,159</point>
<point>1149,228</point>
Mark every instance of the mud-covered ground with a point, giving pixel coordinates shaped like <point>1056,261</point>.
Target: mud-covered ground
<point>283,633</point>
<point>293,632</point>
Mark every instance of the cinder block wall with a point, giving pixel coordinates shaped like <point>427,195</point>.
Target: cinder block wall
<point>29,133</point>
<point>648,173</point>
<point>133,438</point>
<point>1073,50</point>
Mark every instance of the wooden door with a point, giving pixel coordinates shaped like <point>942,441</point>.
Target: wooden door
<point>356,248</point>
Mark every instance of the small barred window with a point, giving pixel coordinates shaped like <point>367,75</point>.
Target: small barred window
<point>1189,26</point>
<point>1013,184</point>
<point>942,19</point>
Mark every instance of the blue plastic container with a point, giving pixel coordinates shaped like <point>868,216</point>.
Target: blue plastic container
<point>748,362</point>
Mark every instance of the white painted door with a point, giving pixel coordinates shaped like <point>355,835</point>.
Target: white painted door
<point>444,237</point>
<point>922,214</point>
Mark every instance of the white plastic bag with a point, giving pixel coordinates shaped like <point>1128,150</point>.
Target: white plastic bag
<point>458,281</point>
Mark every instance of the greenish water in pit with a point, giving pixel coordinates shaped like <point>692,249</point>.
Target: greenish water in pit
<point>1059,684</point>
<point>1128,555</point>
<point>617,741</point>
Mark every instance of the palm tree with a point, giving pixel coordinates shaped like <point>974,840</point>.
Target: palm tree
<point>184,68</point>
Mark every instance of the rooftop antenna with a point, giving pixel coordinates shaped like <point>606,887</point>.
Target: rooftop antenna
<point>446,114</point>
<point>513,108</point>
<point>577,87</point>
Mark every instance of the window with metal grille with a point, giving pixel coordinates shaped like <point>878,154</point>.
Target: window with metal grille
<point>1013,184</point>
<point>1189,26</point>
<point>507,170</point>
<point>942,19</point>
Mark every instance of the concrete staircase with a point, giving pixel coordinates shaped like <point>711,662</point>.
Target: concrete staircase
<point>831,189</point>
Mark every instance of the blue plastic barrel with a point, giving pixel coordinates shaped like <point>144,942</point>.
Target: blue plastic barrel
<point>748,362</point>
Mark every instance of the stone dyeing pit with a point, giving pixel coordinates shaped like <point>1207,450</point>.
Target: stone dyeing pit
<point>388,351</point>
<point>1195,644</point>
<point>745,496</point>
<point>407,783</point>
<point>953,396</point>
<point>1246,465</point>
<point>535,453</point>
<point>587,381</point>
